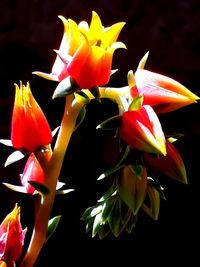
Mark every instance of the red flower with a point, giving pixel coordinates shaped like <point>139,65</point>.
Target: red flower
<point>171,165</point>
<point>142,130</point>
<point>32,172</point>
<point>11,237</point>
<point>30,129</point>
<point>161,92</point>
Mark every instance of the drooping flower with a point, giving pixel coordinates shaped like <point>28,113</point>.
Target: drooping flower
<point>142,130</point>
<point>30,129</point>
<point>11,237</point>
<point>171,165</point>
<point>86,52</point>
<point>32,172</point>
<point>164,94</point>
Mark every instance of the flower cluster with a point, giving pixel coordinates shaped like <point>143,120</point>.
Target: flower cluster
<point>82,69</point>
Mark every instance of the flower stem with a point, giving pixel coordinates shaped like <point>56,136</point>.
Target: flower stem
<point>52,170</point>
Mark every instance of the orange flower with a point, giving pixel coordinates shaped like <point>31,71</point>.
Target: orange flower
<point>30,129</point>
<point>11,237</point>
<point>171,165</point>
<point>142,130</point>
<point>164,94</point>
<point>86,52</point>
<point>32,172</point>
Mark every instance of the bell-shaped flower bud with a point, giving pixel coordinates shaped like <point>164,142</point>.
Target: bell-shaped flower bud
<point>142,130</point>
<point>11,237</point>
<point>170,165</point>
<point>164,94</point>
<point>32,172</point>
<point>30,129</point>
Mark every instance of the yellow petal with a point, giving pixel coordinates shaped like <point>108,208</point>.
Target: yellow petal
<point>110,34</point>
<point>96,28</point>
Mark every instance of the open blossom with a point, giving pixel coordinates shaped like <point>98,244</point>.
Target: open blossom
<point>142,130</point>
<point>164,94</point>
<point>171,165</point>
<point>11,237</point>
<point>30,129</point>
<point>32,172</point>
<point>86,52</point>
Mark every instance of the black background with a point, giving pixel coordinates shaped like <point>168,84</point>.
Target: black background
<point>29,31</point>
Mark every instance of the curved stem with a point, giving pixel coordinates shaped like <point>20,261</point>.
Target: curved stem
<point>52,170</point>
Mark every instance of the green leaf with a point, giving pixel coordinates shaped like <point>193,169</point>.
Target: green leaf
<point>154,182</point>
<point>41,188</point>
<point>52,225</point>
<point>108,207</point>
<point>131,223</point>
<point>54,132</point>
<point>91,211</point>
<point>80,117</point>
<point>111,123</point>
<point>64,192</point>
<point>66,87</point>
<point>15,156</point>
<point>17,188</point>
<point>136,103</point>
<point>97,224</point>
<point>110,171</point>
<point>108,193</point>
<point>6,142</point>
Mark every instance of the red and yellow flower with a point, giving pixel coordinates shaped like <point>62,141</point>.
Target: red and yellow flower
<point>142,130</point>
<point>11,237</point>
<point>30,129</point>
<point>86,52</point>
<point>164,94</point>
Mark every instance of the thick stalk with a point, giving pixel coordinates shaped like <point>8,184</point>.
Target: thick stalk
<point>52,172</point>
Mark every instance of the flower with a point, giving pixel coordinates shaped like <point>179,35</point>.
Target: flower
<point>86,52</point>
<point>32,172</point>
<point>164,94</point>
<point>142,130</point>
<point>11,236</point>
<point>171,165</point>
<point>30,129</point>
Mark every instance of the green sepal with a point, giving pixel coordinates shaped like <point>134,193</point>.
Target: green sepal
<point>142,62</point>
<point>80,118</point>
<point>131,186</point>
<point>131,79</point>
<point>103,231</point>
<point>91,212</point>
<point>13,157</point>
<point>52,225</point>
<point>131,222</point>
<point>82,97</point>
<point>153,209</point>
<point>136,104</point>
<point>111,123</point>
<point>154,182</point>
<point>66,87</point>
<point>95,92</point>
<point>41,188</point>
